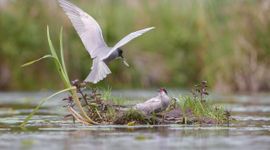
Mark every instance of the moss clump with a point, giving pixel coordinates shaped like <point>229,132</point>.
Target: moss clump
<point>131,115</point>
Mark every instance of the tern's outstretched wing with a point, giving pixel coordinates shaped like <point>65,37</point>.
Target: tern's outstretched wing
<point>99,71</point>
<point>86,26</point>
<point>126,39</point>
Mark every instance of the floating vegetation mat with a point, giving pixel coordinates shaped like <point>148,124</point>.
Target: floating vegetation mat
<point>183,110</point>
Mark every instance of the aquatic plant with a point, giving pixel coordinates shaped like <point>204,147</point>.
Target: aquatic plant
<point>202,109</point>
<point>60,66</point>
<point>105,109</point>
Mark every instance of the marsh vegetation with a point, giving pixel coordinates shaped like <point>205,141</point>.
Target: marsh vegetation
<point>223,42</point>
<point>106,109</point>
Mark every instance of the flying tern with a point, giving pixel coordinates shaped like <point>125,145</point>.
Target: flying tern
<point>91,35</point>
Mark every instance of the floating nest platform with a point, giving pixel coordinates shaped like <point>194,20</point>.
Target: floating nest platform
<point>96,110</point>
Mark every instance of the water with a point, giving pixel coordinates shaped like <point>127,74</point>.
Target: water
<point>48,129</point>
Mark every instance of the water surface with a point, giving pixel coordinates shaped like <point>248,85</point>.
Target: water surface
<point>49,130</point>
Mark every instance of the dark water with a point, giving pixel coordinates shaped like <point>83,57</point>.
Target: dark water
<point>48,129</point>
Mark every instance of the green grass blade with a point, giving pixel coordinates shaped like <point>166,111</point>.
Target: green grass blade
<point>34,61</point>
<point>40,104</point>
<point>52,49</point>
<point>62,53</point>
<point>57,61</point>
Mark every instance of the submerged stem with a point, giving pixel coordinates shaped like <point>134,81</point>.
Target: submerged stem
<point>40,104</point>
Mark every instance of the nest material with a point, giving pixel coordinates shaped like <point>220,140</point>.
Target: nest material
<point>106,112</point>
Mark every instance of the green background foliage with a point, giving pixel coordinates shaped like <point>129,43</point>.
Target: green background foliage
<point>224,42</point>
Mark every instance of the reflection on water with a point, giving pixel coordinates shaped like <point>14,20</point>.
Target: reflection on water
<point>48,129</point>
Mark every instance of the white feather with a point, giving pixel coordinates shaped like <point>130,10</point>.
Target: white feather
<point>127,39</point>
<point>86,26</point>
<point>158,103</point>
<point>99,71</point>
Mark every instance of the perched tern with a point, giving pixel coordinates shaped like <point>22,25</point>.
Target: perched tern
<point>91,35</point>
<point>155,104</point>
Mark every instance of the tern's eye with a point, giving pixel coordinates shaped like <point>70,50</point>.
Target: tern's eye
<point>165,91</point>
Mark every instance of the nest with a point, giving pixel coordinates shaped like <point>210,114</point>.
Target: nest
<point>96,110</point>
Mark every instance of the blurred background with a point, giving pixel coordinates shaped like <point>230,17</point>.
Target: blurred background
<point>224,42</point>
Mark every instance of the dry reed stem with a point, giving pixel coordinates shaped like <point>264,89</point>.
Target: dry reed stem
<point>77,116</point>
<point>78,104</point>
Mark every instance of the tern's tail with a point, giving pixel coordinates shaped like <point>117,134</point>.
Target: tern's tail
<point>99,71</point>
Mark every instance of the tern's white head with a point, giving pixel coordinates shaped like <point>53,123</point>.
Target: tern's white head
<point>162,92</point>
